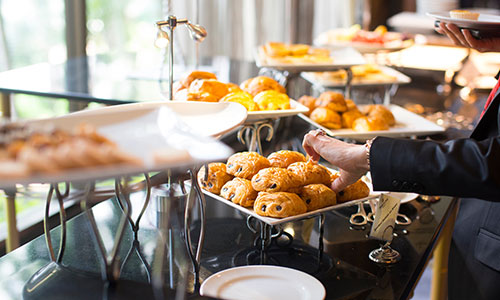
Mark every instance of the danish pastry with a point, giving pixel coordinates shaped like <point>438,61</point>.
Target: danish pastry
<point>349,117</point>
<point>232,87</point>
<point>332,100</point>
<point>284,158</point>
<point>217,177</point>
<point>242,98</point>
<point>369,124</point>
<point>308,172</point>
<point>326,117</point>
<point>276,49</point>
<point>309,102</point>
<point>239,191</point>
<point>272,100</point>
<point>246,164</point>
<point>357,190</point>
<point>279,205</point>
<point>379,111</point>
<point>255,85</point>
<point>273,180</point>
<point>298,49</point>
<point>186,81</point>
<point>350,104</point>
<point>317,196</point>
<point>211,86</point>
<point>196,96</point>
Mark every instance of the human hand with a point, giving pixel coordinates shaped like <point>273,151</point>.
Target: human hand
<point>463,37</point>
<point>349,158</point>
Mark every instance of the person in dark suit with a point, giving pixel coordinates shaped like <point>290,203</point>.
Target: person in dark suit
<point>467,168</point>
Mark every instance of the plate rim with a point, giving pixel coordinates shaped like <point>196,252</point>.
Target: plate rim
<point>318,286</point>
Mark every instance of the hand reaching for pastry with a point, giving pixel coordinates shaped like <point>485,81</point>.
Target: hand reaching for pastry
<point>349,158</point>
<point>463,37</point>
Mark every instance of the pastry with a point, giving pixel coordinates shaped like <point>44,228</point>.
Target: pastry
<point>276,49</point>
<point>298,49</point>
<point>379,111</point>
<point>284,158</point>
<point>279,205</point>
<point>332,100</point>
<point>319,52</point>
<point>463,14</point>
<point>217,177</point>
<point>272,100</point>
<point>242,98</point>
<point>317,196</point>
<point>232,87</point>
<point>187,80</point>
<point>181,95</point>
<point>350,104</point>
<point>177,86</point>
<point>349,117</point>
<point>211,86</point>
<point>246,164</point>
<point>255,85</point>
<point>326,117</point>
<point>369,124</point>
<point>197,96</point>
<point>308,172</point>
<point>357,190</point>
<point>239,191</point>
<point>273,179</point>
<point>309,102</point>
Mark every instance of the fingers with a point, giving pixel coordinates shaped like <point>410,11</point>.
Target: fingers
<point>458,34</point>
<point>449,33</point>
<point>308,144</point>
<point>339,184</point>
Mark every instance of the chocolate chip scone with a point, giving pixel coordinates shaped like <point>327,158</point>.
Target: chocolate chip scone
<point>246,164</point>
<point>317,196</point>
<point>239,191</point>
<point>279,205</point>
<point>284,158</point>
<point>217,177</point>
<point>273,180</point>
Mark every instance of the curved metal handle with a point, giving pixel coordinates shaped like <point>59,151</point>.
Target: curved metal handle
<point>361,214</point>
<point>402,219</point>
<point>62,219</point>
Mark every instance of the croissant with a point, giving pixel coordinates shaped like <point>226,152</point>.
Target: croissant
<point>272,100</point>
<point>242,98</point>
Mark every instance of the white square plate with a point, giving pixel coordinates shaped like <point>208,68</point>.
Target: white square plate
<point>407,124</point>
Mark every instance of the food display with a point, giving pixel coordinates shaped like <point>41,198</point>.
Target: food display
<point>281,185</point>
<point>281,53</point>
<point>26,150</point>
<point>368,74</point>
<point>464,14</point>
<point>364,40</point>
<point>332,111</point>
<point>259,93</point>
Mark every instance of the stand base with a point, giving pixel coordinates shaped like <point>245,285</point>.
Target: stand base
<point>385,255</point>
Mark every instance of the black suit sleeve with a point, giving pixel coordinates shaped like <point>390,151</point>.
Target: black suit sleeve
<point>462,167</point>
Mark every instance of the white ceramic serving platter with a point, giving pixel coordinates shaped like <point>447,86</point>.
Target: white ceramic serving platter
<point>328,39</point>
<point>143,131</point>
<point>343,57</point>
<point>262,282</point>
<point>295,109</point>
<point>484,22</point>
<point>204,118</point>
<point>397,78</point>
<point>407,124</point>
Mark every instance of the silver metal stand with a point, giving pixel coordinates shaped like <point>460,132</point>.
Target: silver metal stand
<point>249,134</point>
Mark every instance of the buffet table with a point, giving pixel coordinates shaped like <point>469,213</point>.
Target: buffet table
<point>344,269</point>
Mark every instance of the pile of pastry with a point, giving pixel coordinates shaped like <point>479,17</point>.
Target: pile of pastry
<point>281,53</point>
<point>27,150</point>
<point>281,185</point>
<point>379,35</point>
<point>331,110</point>
<point>368,73</point>
<point>257,93</point>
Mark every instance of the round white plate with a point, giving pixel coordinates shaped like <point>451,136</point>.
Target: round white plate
<point>404,197</point>
<point>484,22</point>
<point>262,283</point>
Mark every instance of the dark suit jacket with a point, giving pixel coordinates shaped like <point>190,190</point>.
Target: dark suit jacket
<point>463,168</point>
